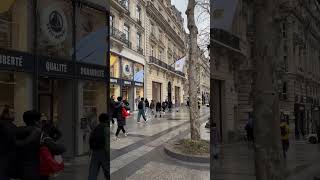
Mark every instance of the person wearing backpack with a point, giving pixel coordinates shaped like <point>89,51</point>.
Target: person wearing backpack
<point>123,114</point>
<point>141,111</point>
<point>285,131</point>
<point>98,146</point>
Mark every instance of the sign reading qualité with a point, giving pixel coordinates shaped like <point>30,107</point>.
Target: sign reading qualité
<point>56,67</point>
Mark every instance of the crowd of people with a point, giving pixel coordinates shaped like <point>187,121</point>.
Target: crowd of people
<point>33,151</point>
<point>29,152</point>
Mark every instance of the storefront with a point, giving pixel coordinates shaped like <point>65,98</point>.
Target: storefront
<point>126,78</point>
<point>49,70</point>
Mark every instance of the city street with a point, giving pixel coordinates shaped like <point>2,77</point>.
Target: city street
<point>140,155</point>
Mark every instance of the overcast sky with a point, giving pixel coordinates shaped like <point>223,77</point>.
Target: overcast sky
<point>181,5</point>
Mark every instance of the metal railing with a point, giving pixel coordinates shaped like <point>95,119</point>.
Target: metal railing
<point>123,3</point>
<point>164,65</point>
<point>226,38</point>
<point>117,34</point>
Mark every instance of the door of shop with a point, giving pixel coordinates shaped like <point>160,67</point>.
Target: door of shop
<point>169,92</point>
<point>127,93</point>
<point>156,91</point>
<point>56,105</point>
<point>177,96</point>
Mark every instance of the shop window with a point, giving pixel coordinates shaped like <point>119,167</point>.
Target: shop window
<point>55,28</point>
<point>114,66</point>
<point>14,25</point>
<point>115,90</point>
<point>91,33</point>
<point>127,69</point>
<point>16,94</point>
<point>138,72</point>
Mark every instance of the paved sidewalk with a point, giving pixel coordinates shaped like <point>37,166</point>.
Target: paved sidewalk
<point>140,156</point>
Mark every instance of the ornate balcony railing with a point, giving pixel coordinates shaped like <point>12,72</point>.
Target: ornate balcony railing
<point>226,38</point>
<point>117,34</point>
<point>123,3</point>
<point>164,65</point>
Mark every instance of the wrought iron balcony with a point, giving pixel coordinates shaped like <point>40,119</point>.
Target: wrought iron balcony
<point>117,34</point>
<point>123,3</point>
<point>226,38</point>
<point>140,50</point>
<point>158,62</point>
<point>164,65</point>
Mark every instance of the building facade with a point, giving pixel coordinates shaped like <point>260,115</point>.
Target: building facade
<point>298,63</point>
<point>165,43</point>
<point>47,63</point>
<point>128,44</point>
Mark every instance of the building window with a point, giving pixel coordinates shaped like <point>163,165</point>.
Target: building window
<point>152,28</point>
<point>138,40</point>
<point>138,11</point>
<point>152,51</point>
<point>126,30</point>
<point>285,61</point>
<point>160,54</point>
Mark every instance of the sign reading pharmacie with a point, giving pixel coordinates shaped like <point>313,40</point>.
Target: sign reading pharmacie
<point>55,67</point>
<point>16,61</point>
<point>91,71</point>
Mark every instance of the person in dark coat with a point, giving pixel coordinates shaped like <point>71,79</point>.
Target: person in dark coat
<point>28,146</point>
<point>98,146</point>
<point>7,140</point>
<point>158,108</point>
<point>112,104</point>
<point>152,106</point>
<point>120,119</point>
<point>147,103</point>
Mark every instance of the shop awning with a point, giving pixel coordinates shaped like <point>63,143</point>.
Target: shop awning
<point>5,5</point>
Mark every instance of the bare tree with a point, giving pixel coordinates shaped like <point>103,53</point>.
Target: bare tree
<point>268,151</point>
<point>193,71</point>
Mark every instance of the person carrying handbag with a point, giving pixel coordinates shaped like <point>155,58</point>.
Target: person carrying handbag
<point>51,162</point>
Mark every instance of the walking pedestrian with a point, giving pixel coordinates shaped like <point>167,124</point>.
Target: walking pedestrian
<point>170,105</point>
<point>112,107</point>
<point>122,114</point>
<point>285,131</point>
<point>216,140</point>
<point>164,106</point>
<point>158,108</point>
<point>126,103</point>
<point>7,143</point>
<point>141,111</point>
<point>152,106</point>
<point>51,161</point>
<point>98,146</point>
<point>147,105</point>
<point>28,146</point>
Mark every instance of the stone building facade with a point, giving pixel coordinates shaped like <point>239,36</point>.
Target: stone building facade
<point>298,65</point>
<point>127,51</point>
<point>165,43</point>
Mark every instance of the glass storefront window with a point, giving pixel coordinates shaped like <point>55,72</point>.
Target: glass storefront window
<point>114,90</point>
<point>16,94</point>
<point>127,69</point>
<point>92,98</point>
<point>13,25</point>
<point>114,66</point>
<point>138,72</point>
<point>91,43</point>
<point>55,28</point>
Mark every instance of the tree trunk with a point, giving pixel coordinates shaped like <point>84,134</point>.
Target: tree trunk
<point>268,148</point>
<point>193,72</point>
